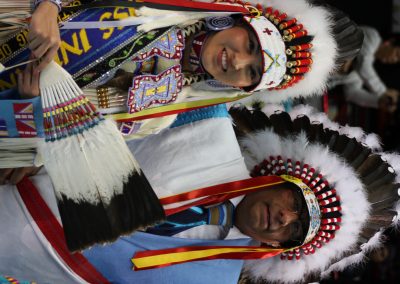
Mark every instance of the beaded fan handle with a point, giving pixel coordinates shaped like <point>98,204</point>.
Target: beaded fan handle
<point>66,111</point>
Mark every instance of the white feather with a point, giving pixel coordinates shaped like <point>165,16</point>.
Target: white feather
<point>373,141</point>
<point>301,110</point>
<point>92,165</point>
<point>87,166</point>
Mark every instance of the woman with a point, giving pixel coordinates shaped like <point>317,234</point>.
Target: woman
<point>168,62</point>
<point>44,39</point>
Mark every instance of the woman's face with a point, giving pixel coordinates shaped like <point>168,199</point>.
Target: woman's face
<point>233,57</point>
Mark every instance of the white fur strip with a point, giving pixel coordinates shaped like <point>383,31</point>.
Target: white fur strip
<point>372,140</point>
<point>373,243</point>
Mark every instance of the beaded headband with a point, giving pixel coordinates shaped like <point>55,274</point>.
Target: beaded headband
<point>321,201</point>
<point>284,64</point>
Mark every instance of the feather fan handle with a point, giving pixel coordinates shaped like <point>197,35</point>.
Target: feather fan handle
<point>66,111</point>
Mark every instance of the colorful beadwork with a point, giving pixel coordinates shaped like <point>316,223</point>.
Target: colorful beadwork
<point>273,51</point>
<point>130,127</point>
<point>276,32</point>
<point>67,115</point>
<point>155,89</point>
<point>169,46</point>
<point>12,280</point>
<point>195,52</point>
<point>24,119</point>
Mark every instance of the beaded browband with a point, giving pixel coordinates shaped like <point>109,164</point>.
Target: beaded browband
<point>286,50</point>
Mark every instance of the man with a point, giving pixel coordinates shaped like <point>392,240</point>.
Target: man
<point>273,213</point>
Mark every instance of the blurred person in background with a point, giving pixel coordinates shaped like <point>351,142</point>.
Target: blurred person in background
<point>360,81</point>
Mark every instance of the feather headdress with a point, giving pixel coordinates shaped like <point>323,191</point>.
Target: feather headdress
<point>310,65</point>
<point>364,181</point>
<point>351,193</point>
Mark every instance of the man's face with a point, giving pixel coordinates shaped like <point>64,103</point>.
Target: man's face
<point>233,56</point>
<point>273,216</point>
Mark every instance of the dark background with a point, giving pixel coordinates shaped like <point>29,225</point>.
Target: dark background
<point>383,265</point>
<point>379,15</point>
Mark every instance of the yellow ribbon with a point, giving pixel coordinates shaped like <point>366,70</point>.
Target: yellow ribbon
<point>174,107</point>
<point>185,256</point>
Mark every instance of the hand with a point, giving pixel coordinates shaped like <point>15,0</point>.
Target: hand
<point>44,34</point>
<point>28,81</point>
<point>388,101</point>
<point>14,176</point>
<point>388,53</point>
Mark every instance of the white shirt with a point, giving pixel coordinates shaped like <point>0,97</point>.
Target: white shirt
<point>210,156</point>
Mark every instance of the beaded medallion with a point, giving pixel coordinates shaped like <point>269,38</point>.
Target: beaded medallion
<point>155,89</point>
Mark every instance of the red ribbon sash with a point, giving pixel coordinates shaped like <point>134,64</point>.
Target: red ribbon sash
<point>54,233</point>
<point>219,193</point>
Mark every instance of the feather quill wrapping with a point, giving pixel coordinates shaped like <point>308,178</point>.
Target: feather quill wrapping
<point>101,191</point>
